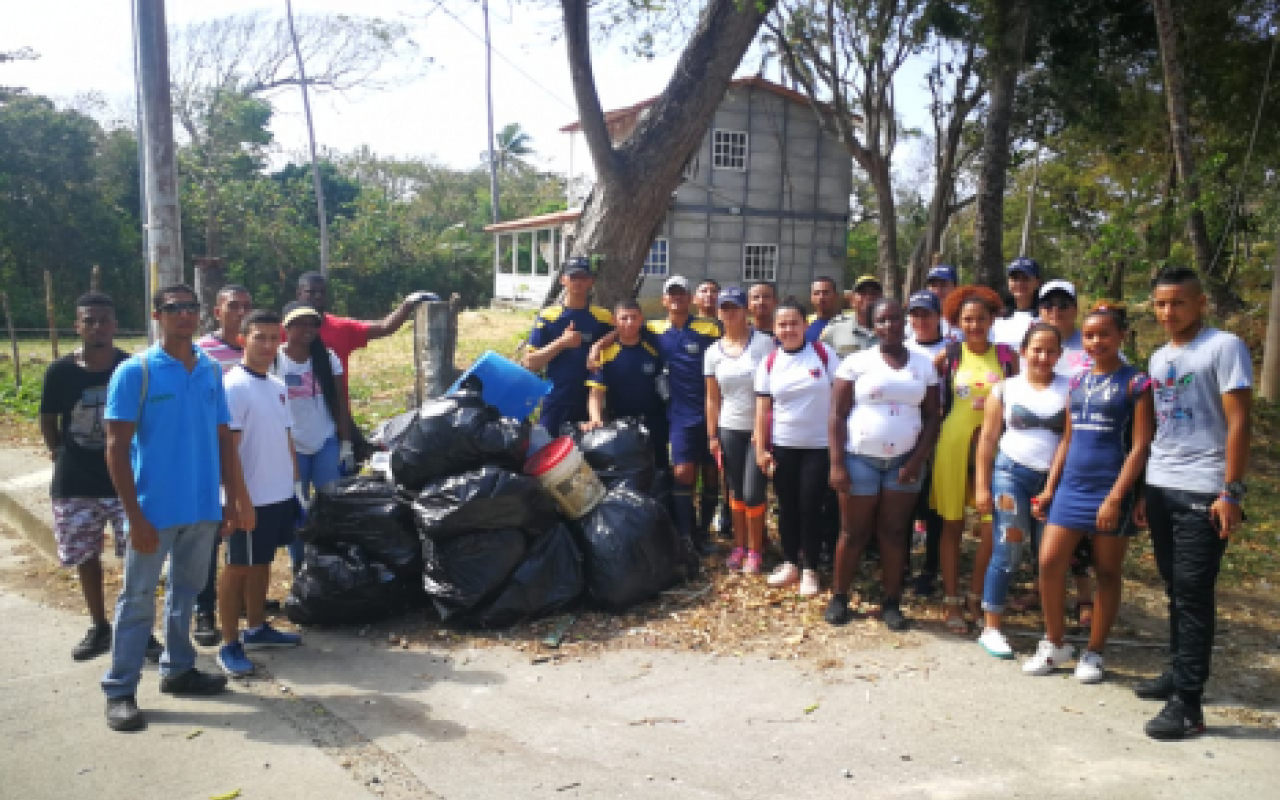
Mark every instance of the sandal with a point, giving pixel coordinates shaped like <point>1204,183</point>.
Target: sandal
<point>1084,614</point>
<point>956,624</point>
<point>973,605</point>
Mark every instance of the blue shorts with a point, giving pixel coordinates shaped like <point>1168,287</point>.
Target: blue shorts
<point>689,444</point>
<point>275,523</point>
<point>871,475</point>
<point>554,416</point>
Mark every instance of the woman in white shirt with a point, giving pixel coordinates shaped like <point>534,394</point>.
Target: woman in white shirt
<point>885,413</point>
<point>730,367</point>
<point>1026,416</point>
<point>793,400</point>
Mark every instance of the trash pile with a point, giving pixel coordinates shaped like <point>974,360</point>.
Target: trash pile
<point>469,518</point>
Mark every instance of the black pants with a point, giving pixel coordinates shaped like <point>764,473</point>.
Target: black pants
<point>800,481</point>
<point>741,472</point>
<point>207,600</point>
<point>1188,553</point>
<point>932,524</point>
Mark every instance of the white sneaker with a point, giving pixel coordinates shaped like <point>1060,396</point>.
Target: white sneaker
<point>993,641</point>
<point>1048,657</point>
<point>808,583</point>
<point>1089,667</point>
<point>785,575</point>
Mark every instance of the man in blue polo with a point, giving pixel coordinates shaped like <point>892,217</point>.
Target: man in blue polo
<point>562,336</point>
<point>168,450</point>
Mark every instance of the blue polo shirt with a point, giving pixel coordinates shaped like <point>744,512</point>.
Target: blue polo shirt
<point>176,462</point>
<point>629,376</point>
<point>568,370</point>
<point>682,350</point>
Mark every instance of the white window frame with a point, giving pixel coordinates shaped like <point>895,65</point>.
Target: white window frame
<point>724,143</point>
<point>658,263</point>
<point>760,262</point>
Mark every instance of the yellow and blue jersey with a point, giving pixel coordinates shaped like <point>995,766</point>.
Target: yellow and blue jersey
<point>816,326</point>
<point>682,350</point>
<point>629,376</point>
<point>568,370</point>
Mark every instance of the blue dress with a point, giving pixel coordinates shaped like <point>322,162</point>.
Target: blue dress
<point>1102,409</point>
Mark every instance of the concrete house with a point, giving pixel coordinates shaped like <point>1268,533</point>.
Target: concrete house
<point>765,197</point>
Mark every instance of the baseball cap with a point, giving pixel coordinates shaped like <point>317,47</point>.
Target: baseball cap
<point>1058,285</point>
<point>578,265</point>
<point>299,310</point>
<point>942,272</point>
<point>675,282</point>
<point>1024,264</point>
<point>734,295</point>
<point>867,280</point>
<point>926,300</point>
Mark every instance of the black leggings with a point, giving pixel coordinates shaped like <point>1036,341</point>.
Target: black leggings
<point>741,471</point>
<point>800,480</point>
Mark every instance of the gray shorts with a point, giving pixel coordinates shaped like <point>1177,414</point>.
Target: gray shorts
<point>79,524</point>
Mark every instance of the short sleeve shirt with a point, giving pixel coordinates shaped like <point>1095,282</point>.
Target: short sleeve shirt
<point>736,377</point>
<point>79,398</point>
<point>1012,329</point>
<point>1034,419</point>
<point>684,351</point>
<point>1189,451</point>
<point>800,385</point>
<point>313,423</point>
<point>846,336</point>
<point>568,370</point>
<point>176,461</point>
<point>226,354</point>
<point>344,336</point>
<point>629,376</point>
<point>885,420</point>
<point>259,407</point>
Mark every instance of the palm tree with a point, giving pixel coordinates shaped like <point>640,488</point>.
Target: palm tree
<point>512,144</point>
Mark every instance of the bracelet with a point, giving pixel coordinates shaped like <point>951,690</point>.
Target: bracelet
<point>1229,498</point>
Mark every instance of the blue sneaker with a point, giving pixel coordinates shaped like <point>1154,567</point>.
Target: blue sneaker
<point>267,636</point>
<point>233,661</point>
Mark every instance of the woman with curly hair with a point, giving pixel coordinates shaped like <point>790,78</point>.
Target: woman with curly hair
<point>967,371</point>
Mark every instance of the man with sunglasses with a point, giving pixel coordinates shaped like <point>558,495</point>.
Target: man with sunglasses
<point>169,449</point>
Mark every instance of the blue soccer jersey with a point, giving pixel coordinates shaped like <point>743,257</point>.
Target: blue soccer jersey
<point>629,376</point>
<point>568,370</point>
<point>682,349</point>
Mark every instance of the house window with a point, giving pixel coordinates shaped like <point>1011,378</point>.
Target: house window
<point>760,262</point>
<point>659,260</point>
<point>729,150</point>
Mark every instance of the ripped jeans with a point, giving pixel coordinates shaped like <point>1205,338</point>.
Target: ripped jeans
<point>1012,487</point>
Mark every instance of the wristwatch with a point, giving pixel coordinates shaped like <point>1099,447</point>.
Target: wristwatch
<point>1237,490</point>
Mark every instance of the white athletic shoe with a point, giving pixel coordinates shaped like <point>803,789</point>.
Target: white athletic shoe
<point>1089,667</point>
<point>1048,657</point>
<point>809,583</point>
<point>993,641</point>
<point>785,575</point>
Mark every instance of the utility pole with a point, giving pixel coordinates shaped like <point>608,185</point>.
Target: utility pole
<point>311,138</point>
<point>162,221</point>
<point>488,97</point>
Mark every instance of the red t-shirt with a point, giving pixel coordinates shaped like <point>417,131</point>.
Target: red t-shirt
<point>344,335</point>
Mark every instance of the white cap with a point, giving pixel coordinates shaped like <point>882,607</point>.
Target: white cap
<point>675,281</point>
<point>1058,285</point>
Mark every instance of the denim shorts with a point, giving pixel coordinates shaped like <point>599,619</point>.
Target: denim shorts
<point>871,475</point>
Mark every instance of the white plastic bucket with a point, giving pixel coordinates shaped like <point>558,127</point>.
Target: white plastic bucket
<point>567,477</point>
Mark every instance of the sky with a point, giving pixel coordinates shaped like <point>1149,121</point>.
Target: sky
<point>86,46</point>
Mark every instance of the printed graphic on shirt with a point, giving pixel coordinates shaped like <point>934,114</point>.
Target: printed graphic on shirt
<point>85,425</point>
<point>301,385</point>
<point>1024,419</point>
<point>1173,406</point>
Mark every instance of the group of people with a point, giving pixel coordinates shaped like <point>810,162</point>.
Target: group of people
<point>185,444</point>
<point>1027,421</point>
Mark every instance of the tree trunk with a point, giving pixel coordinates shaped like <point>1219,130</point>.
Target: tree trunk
<point>886,227</point>
<point>1115,281</point>
<point>635,179</point>
<point>1180,136</point>
<point>1269,387</point>
<point>1010,23</point>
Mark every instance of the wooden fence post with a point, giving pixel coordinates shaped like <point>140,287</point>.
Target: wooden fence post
<point>49,312</point>
<point>13,340</point>
<point>95,279</point>
<point>435,339</point>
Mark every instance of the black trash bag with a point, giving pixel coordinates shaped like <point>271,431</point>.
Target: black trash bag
<point>343,586</point>
<point>620,454</point>
<point>455,434</point>
<point>663,486</point>
<point>482,500</point>
<point>549,580</point>
<point>364,511</point>
<point>632,550</point>
<point>388,434</point>
<point>463,572</point>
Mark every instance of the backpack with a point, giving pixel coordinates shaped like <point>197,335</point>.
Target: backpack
<point>1005,354</point>
<point>821,350</point>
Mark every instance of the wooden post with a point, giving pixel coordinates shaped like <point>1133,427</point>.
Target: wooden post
<point>13,340</point>
<point>435,338</point>
<point>49,312</point>
<point>95,279</point>
<point>1269,386</point>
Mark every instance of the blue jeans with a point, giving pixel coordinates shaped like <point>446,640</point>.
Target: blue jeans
<point>189,548</point>
<point>315,470</point>
<point>871,475</point>
<point>1012,487</point>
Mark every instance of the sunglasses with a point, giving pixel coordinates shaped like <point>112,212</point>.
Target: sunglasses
<point>1058,305</point>
<point>186,307</point>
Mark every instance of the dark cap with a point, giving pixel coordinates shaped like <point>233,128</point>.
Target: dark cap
<point>578,265</point>
<point>733,295</point>
<point>1024,264</point>
<point>942,272</point>
<point>926,300</point>
<point>865,281</point>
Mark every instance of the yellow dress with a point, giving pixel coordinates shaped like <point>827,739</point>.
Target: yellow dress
<point>971,385</point>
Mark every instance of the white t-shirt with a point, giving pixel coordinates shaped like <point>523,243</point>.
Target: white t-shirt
<point>1033,419</point>
<point>929,351</point>
<point>950,333</point>
<point>736,376</point>
<point>1011,329</point>
<point>885,420</point>
<point>260,412</point>
<point>312,422</point>
<point>800,385</point>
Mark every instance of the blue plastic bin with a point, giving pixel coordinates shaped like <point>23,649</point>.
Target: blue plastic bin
<point>512,389</point>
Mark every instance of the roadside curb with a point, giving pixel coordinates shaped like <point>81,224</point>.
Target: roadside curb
<point>16,495</point>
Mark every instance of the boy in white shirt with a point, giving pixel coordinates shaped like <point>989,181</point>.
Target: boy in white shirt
<point>260,425</point>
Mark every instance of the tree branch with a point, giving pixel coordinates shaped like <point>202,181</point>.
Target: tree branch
<point>577,29</point>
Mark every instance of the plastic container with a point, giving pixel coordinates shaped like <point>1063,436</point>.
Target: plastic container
<point>512,389</point>
<point>567,477</point>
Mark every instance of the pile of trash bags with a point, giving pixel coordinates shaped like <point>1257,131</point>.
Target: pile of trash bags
<point>455,524</point>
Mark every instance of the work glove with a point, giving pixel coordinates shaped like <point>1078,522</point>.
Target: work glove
<point>347,458</point>
<point>301,496</point>
<point>419,297</point>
